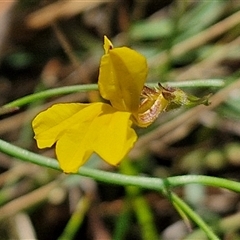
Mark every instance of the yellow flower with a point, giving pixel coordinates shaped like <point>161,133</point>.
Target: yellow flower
<point>81,129</point>
<point>78,130</point>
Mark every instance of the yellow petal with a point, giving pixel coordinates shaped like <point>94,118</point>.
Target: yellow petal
<point>73,149</point>
<point>107,45</point>
<point>122,75</point>
<point>115,137</point>
<point>49,125</point>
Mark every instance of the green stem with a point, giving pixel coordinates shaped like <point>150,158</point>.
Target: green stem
<point>122,222</point>
<point>51,93</point>
<point>76,219</point>
<point>119,179</point>
<point>180,204</point>
<point>197,83</point>
<point>139,204</point>
<point>204,180</point>
<point>91,87</point>
<point>162,185</point>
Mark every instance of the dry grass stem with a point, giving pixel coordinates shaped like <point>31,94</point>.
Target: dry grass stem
<point>198,40</point>
<point>58,10</point>
<point>24,202</point>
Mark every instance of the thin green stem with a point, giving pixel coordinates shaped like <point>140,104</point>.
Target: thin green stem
<point>119,179</point>
<point>204,180</point>
<point>139,204</point>
<point>51,93</point>
<point>76,219</point>
<point>122,222</point>
<point>180,204</point>
<point>197,83</point>
<point>91,87</point>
